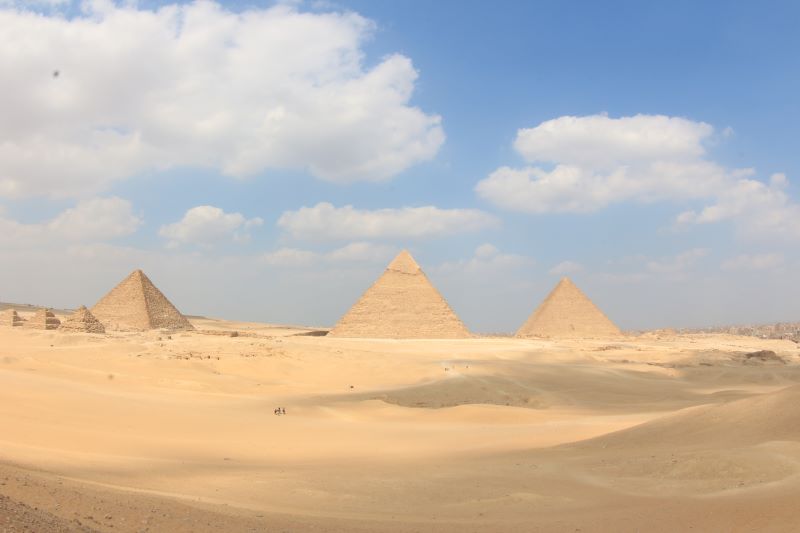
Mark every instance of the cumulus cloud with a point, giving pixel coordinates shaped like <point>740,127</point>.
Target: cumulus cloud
<point>288,257</point>
<point>237,92</point>
<point>640,268</point>
<point>678,264</point>
<point>566,267</point>
<point>206,224</point>
<point>759,209</point>
<point>487,258</point>
<point>598,160</point>
<point>602,142</point>
<point>362,252</point>
<point>94,219</point>
<point>325,221</point>
<point>584,164</point>
<point>357,252</point>
<point>753,262</point>
<point>43,4</point>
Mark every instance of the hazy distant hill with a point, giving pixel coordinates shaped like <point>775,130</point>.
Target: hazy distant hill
<point>780,330</point>
<point>24,308</point>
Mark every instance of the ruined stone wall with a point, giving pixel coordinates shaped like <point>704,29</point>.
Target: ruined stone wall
<point>10,318</point>
<point>43,319</point>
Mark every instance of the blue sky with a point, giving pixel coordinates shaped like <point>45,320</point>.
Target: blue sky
<point>622,129</point>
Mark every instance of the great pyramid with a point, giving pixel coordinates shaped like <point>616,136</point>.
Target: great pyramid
<point>43,319</point>
<point>82,320</point>
<point>136,304</point>
<point>401,304</point>
<point>10,318</point>
<point>567,312</point>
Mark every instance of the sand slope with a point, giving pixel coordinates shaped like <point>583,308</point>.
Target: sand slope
<point>761,418</point>
<point>655,434</point>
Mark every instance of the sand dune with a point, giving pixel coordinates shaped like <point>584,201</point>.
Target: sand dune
<point>176,432</point>
<point>773,416</point>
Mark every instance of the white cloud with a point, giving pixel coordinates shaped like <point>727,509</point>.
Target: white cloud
<point>601,142</point>
<point>362,252</point>
<point>747,262</point>
<point>760,210</point>
<point>640,268</point>
<point>486,258</point>
<point>238,92</point>
<point>566,267</point>
<point>678,264</point>
<point>324,221</point>
<point>94,219</point>
<point>596,161</point>
<point>576,189</point>
<point>287,257</point>
<point>22,4</point>
<point>486,250</point>
<point>355,252</point>
<point>206,224</point>
<point>600,161</point>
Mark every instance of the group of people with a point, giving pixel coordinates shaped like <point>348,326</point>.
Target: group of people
<point>279,411</point>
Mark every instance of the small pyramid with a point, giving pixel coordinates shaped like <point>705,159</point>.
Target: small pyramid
<point>43,319</point>
<point>568,312</point>
<point>401,304</point>
<point>10,318</point>
<point>83,321</point>
<point>136,304</point>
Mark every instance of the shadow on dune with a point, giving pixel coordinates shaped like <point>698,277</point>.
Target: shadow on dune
<point>611,389</point>
<point>749,421</point>
<point>750,443</point>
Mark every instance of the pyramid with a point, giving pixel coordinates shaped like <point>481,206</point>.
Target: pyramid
<point>136,304</point>
<point>84,321</point>
<point>567,312</point>
<point>401,304</point>
<point>43,319</point>
<point>10,318</point>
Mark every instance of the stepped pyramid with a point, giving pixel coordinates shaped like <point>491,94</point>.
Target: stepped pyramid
<point>43,319</point>
<point>401,304</point>
<point>10,318</point>
<point>84,321</point>
<point>567,312</point>
<point>136,304</point>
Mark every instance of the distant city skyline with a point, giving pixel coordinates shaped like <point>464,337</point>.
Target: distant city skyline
<point>264,161</point>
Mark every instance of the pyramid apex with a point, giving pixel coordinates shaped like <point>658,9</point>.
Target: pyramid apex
<point>138,276</point>
<point>405,263</point>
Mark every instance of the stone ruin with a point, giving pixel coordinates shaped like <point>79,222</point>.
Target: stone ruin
<point>43,319</point>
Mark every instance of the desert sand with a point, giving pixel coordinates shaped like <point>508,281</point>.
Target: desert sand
<point>158,431</point>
